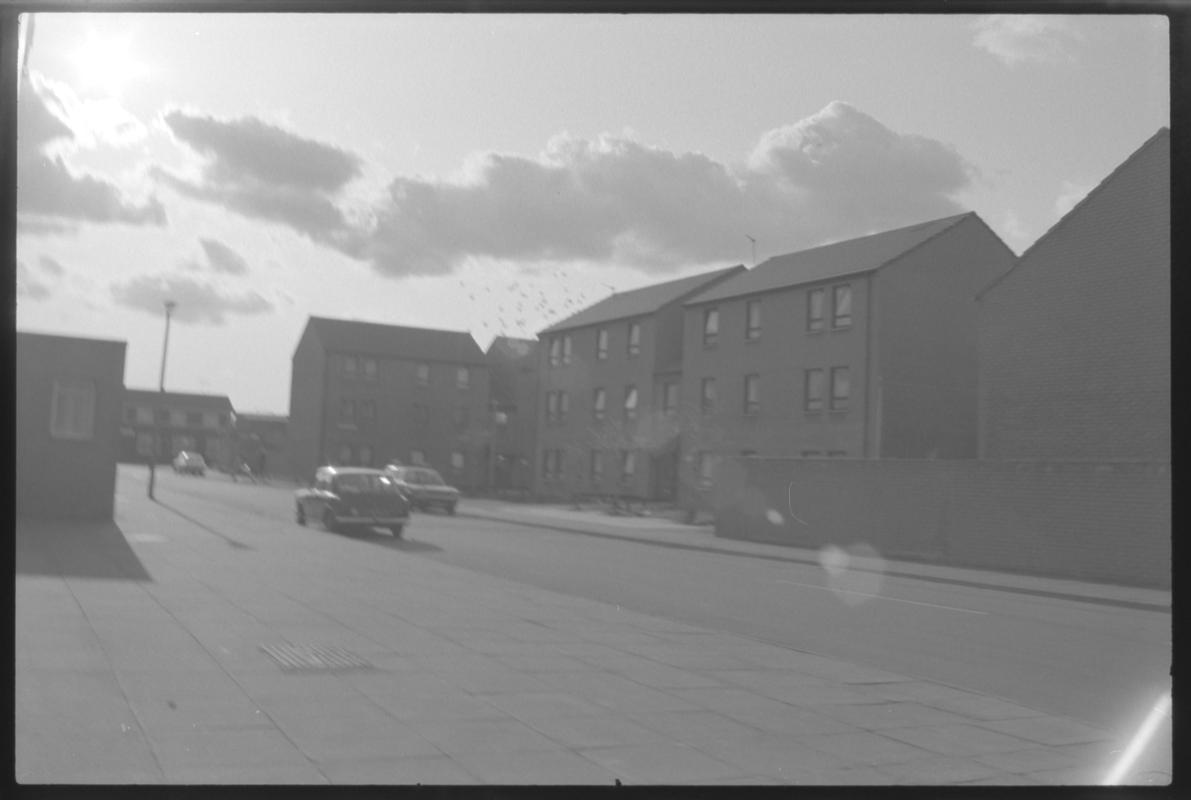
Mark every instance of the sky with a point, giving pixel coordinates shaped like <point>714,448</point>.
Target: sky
<point>497,173</point>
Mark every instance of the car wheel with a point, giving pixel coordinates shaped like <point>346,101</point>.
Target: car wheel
<point>300,515</point>
<point>397,530</point>
<point>329,520</point>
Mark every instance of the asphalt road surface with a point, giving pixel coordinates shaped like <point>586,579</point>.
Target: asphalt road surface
<point>1100,664</point>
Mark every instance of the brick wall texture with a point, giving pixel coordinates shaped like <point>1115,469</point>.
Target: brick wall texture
<point>1107,521</point>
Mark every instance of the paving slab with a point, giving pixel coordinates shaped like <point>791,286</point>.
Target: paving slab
<point>430,770</point>
<point>536,767</point>
<point>589,731</point>
<point>652,763</point>
<point>1047,730</point>
<point>500,735</point>
<point>957,740</point>
<point>865,748</point>
<point>938,770</point>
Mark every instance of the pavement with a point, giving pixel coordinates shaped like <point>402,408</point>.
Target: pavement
<point>181,645</point>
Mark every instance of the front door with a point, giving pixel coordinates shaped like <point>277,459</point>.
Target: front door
<point>664,469</point>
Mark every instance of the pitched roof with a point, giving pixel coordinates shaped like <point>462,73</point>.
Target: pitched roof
<point>203,402</point>
<point>1160,138</point>
<point>638,302</point>
<point>510,347</point>
<point>371,338</point>
<point>864,254</point>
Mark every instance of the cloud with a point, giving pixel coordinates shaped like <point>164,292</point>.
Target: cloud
<point>28,286</point>
<point>223,258</point>
<point>1069,196</point>
<point>47,187</point>
<point>836,174</point>
<point>198,302</point>
<point>1017,38</point>
<point>264,172</point>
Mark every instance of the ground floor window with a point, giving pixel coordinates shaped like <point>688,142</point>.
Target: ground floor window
<point>72,409</point>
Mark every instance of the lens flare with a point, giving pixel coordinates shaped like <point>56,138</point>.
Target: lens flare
<point>1139,741</point>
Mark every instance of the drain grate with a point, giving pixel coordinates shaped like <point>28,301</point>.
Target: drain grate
<point>299,658</point>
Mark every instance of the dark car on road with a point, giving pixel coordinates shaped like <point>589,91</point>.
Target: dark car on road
<point>425,488</point>
<point>188,462</point>
<point>343,497</point>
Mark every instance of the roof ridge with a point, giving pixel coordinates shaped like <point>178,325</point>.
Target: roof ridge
<point>1095,190</point>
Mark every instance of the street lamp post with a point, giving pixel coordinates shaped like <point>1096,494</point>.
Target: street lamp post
<point>169,309</point>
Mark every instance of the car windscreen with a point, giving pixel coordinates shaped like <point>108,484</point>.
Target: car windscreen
<point>431,478</point>
<point>364,482</point>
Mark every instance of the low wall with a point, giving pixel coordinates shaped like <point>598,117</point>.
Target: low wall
<point>1088,521</point>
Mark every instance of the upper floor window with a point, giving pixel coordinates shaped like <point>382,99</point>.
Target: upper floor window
<point>752,329</point>
<point>711,327</point>
<point>814,309</point>
<point>130,413</point>
<point>369,366</point>
<point>752,394</point>
<point>813,399</point>
<point>345,454</point>
<point>705,467</point>
<point>628,463</point>
<point>841,306</point>
<point>707,395</point>
<point>634,346</point>
<point>144,416</point>
<point>551,406</point>
<point>602,344</point>
<point>177,418</point>
<point>564,405</point>
<point>841,388</point>
<point>351,366</point>
<point>161,416</point>
<point>367,410</point>
<point>670,397</point>
<point>566,349</point>
<point>347,411</point>
<point>194,418</point>
<point>422,374</point>
<point>365,455</point>
<point>555,351</point>
<point>72,409</point>
<point>462,378</point>
<point>630,402</point>
<point>598,400</point>
<point>210,420</point>
<point>597,466</point>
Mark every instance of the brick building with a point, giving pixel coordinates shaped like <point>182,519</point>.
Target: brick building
<point>1075,340</point>
<point>366,394</point>
<point>608,386</point>
<point>175,421</point>
<point>68,399</point>
<point>513,379</point>
<point>865,348</point>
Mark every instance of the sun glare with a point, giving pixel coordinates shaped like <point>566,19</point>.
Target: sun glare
<point>106,63</point>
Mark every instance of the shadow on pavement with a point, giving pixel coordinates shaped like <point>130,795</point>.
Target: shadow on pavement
<point>373,536</point>
<point>233,542</point>
<point>76,549</point>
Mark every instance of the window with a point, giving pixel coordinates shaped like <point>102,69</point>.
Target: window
<point>72,405</point>
<point>711,327</point>
<point>814,310</point>
<point>598,401</point>
<point>705,466</point>
<point>566,349</point>
<point>707,396</point>
<point>417,457</point>
<point>814,390</point>
<point>602,344</point>
<point>369,365</point>
<point>347,411</point>
<point>752,329</point>
<point>752,394</point>
<point>351,365</point>
<point>365,455</point>
<point>130,413</point>
<point>555,351</point>
<point>564,405</point>
<point>161,416</point>
<point>423,374</point>
<point>634,346</point>
<point>670,397</point>
<point>462,378</point>
<point>841,307</point>
<point>144,416</point>
<point>840,388</point>
<point>630,402</point>
<point>837,453</point>
<point>368,410</point>
<point>457,460</point>
<point>144,444</point>
<point>421,414</point>
<point>628,463</point>
<point>551,406</point>
<point>194,418</point>
<point>597,466</point>
<point>461,417</point>
<point>210,420</point>
<point>177,418</point>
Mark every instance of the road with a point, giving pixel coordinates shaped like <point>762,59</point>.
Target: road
<point>1100,664</point>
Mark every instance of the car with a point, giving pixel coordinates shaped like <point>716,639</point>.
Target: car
<point>344,497</point>
<point>188,462</point>
<point>425,488</point>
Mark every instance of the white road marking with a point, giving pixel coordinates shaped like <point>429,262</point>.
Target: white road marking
<point>880,596</point>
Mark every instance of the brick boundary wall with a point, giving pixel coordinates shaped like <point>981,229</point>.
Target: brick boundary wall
<point>1097,521</point>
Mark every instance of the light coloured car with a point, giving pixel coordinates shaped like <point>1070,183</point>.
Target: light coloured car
<point>342,497</point>
<point>425,488</point>
<point>188,462</point>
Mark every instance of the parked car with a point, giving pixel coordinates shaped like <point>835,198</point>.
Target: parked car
<point>342,497</point>
<point>188,462</point>
<point>425,488</point>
